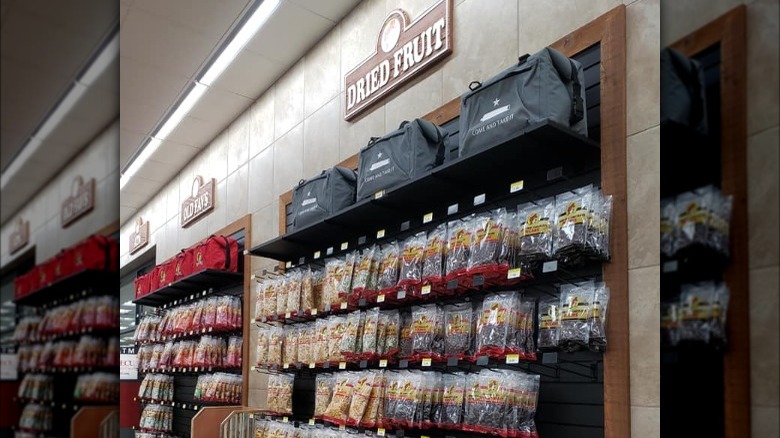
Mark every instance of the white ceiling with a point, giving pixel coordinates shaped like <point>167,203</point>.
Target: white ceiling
<point>165,44</point>
<point>43,47</point>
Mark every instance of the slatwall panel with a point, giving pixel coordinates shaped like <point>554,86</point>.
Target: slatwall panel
<point>571,399</point>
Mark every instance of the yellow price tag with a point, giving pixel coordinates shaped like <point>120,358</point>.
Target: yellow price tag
<point>516,186</point>
<point>383,363</point>
<point>343,306</point>
<point>312,365</point>
<point>380,431</point>
<point>344,245</point>
<point>316,255</point>
<point>512,358</point>
<point>513,273</point>
<point>380,298</point>
<point>311,421</point>
<point>428,217</point>
<point>342,427</point>
<point>342,365</point>
<point>426,289</point>
<point>285,420</point>
<point>426,362</point>
<point>286,366</point>
<point>287,315</point>
<point>313,312</point>
<point>380,234</point>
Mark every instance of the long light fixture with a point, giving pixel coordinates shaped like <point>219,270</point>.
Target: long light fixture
<point>78,88</point>
<point>212,73</point>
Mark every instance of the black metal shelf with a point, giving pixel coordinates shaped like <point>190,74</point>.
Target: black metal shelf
<point>561,153</point>
<point>103,332</point>
<point>75,286</point>
<point>191,287</point>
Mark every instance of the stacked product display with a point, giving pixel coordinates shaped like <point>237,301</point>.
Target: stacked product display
<point>86,351</point>
<point>698,218</point>
<point>189,347</point>
<point>97,387</point>
<point>569,227</point>
<point>36,387</point>
<point>36,418</point>
<point>447,293</point>
<point>698,316</point>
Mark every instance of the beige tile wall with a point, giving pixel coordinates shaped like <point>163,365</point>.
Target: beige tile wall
<point>99,160</point>
<point>680,19</point>
<point>297,129</point>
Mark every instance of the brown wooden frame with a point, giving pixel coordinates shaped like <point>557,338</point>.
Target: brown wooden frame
<point>729,30</point>
<point>244,223</point>
<point>609,30</point>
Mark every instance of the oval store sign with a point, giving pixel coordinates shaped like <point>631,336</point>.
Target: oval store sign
<point>403,50</point>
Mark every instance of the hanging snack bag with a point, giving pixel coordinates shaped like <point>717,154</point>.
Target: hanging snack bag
<point>291,334</point>
<point>334,268</point>
<point>412,255</point>
<point>459,236</point>
<point>549,323</point>
<point>270,288</point>
<point>598,318</point>
<point>457,336</point>
<point>323,394</point>
<point>391,333</point>
<point>347,279</point>
<point>370,334</point>
<point>338,408</point>
<point>571,230</point>
<point>452,401</point>
<point>494,324</point>
<point>349,339</point>
<point>486,241</point>
<point>321,349</point>
<point>524,343</point>
<point>693,212</point>
<point>361,394</point>
<point>433,260</point>
<point>294,285</point>
<point>720,306</point>
<point>426,327</point>
<point>281,296</point>
<point>389,267</point>
<point>337,326</point>
<point>405,336</point>
<point>537,224</point>
<point>263,337</point>
<point>275,342</point>
<point>307,290</point>
<point>280,392</point>
<point>575,310</point>
<point>696,314</point>
<point>370,417</point>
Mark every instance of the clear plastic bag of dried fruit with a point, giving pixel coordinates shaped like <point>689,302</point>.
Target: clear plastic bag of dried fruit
<point>323,393</point>
<point>693,214</point>
<point>270,288</point>
<point>696,302</point>
<point>459,236</point>
<point>433,261</point>
<point>537,225</point>
<point>364,270</point>
<point>321,350</point>
<point>575,308</point>
<point>389,267</point>
<point>572,210</point>
<point>291,336</point>
<point>337,327</point>
<point>361,394</point>
<point>427,324</point>
<point>275,343</point>
<point>371,416</point>
<point>486,242</point>
<point>349,340</point>
<point>338,408</point>
<point>307,290</point>
<point>294,286</point>
<point>263,337</point>
<point>334,269</point>
<point>347,279</point>
<point>412,255</point>
<point>370,335</point>
<point>494,324</point>
<point>281,295</point>
<point>598,318</point>
<point>457,336</point>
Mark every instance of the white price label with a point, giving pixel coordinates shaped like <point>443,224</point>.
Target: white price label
<point>311,421</point>
<point>288,265</point>
<point>479,199</point>
<point>550,266</point>
<point>285,420</point>
<point>287,315</point>
<point>401,294</point>
<point>512,358</point>
<point>286,366</point>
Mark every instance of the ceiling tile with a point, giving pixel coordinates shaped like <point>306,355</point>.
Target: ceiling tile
<point>250,74</point>
<point>138,117</point>
<point>277,42</point>
<point>211,18</point>
<point>158,41</point>
<point>157,171</point>
<point>333,10</point>
<point>219,105</point>
<point>129,142</point>
<point>155,86</point>
<point>194,132</point>
<point>174,154</point>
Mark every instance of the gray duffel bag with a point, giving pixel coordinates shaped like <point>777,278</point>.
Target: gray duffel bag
<point>412,149</point>
<point>325,194</point>
<point>683,93</point>
<point>544,86</point>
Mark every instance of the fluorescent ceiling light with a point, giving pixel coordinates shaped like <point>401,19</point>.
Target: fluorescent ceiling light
<point>247,31</point>
<point>77,90</point>
<point>224,58</point>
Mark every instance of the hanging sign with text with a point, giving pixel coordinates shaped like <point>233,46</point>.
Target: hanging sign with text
<point>404,49</point>
<point>80,201</point>
<point>20,237</point>
<point>200,203</point>
<point>140,235</point>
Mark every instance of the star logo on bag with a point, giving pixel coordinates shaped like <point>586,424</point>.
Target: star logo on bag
<point>379,155</point>
<point>495,102</point>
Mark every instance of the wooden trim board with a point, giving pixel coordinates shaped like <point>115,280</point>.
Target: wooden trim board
<point>730,31</point>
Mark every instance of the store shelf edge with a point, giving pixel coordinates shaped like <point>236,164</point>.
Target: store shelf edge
<point>192,284</point>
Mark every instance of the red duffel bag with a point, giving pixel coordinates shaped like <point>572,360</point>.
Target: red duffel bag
<point>59,266</point>
<point>216,252</point>
<point>142,285</point>
<point>96,252</point>
<point>162,275</point>
<point>23,285</point>
<point>183,263</point>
